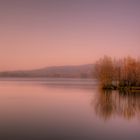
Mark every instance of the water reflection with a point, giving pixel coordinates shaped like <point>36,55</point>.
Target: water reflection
<point>109,104</point>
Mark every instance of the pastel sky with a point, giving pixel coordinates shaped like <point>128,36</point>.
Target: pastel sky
<point>40,33</point>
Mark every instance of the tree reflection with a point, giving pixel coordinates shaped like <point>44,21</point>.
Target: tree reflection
<point>108,104</point>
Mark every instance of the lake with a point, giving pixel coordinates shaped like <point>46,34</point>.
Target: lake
<point>66,109</point>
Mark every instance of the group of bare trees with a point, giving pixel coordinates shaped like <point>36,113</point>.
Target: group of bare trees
<point>114,73</point>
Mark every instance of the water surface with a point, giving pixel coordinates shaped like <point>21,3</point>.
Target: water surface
<point>66,109</point>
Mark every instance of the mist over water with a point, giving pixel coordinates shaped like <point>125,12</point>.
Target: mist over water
<point>57,109</point>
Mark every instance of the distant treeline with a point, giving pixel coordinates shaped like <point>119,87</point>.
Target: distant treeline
<point>118,74</point>
<point>51,75</point>
<point>79,71</point>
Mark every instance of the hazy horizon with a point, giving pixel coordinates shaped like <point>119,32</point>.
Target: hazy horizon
<point>36,33</point>
<point>50,66</point>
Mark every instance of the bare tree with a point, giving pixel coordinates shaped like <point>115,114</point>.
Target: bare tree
<point>104,71</point>
<point>118,73</point>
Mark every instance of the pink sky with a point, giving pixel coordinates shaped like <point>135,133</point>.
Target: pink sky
<point>35,34</point>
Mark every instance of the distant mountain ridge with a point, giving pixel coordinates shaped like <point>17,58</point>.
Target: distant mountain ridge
<point>69,71</point>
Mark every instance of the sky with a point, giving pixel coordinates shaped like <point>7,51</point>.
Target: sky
<point>41,33</point>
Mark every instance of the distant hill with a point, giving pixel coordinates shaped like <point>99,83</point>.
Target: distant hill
<point>80,71</point>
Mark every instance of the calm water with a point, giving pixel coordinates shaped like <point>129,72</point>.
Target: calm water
<point>66,109</point>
